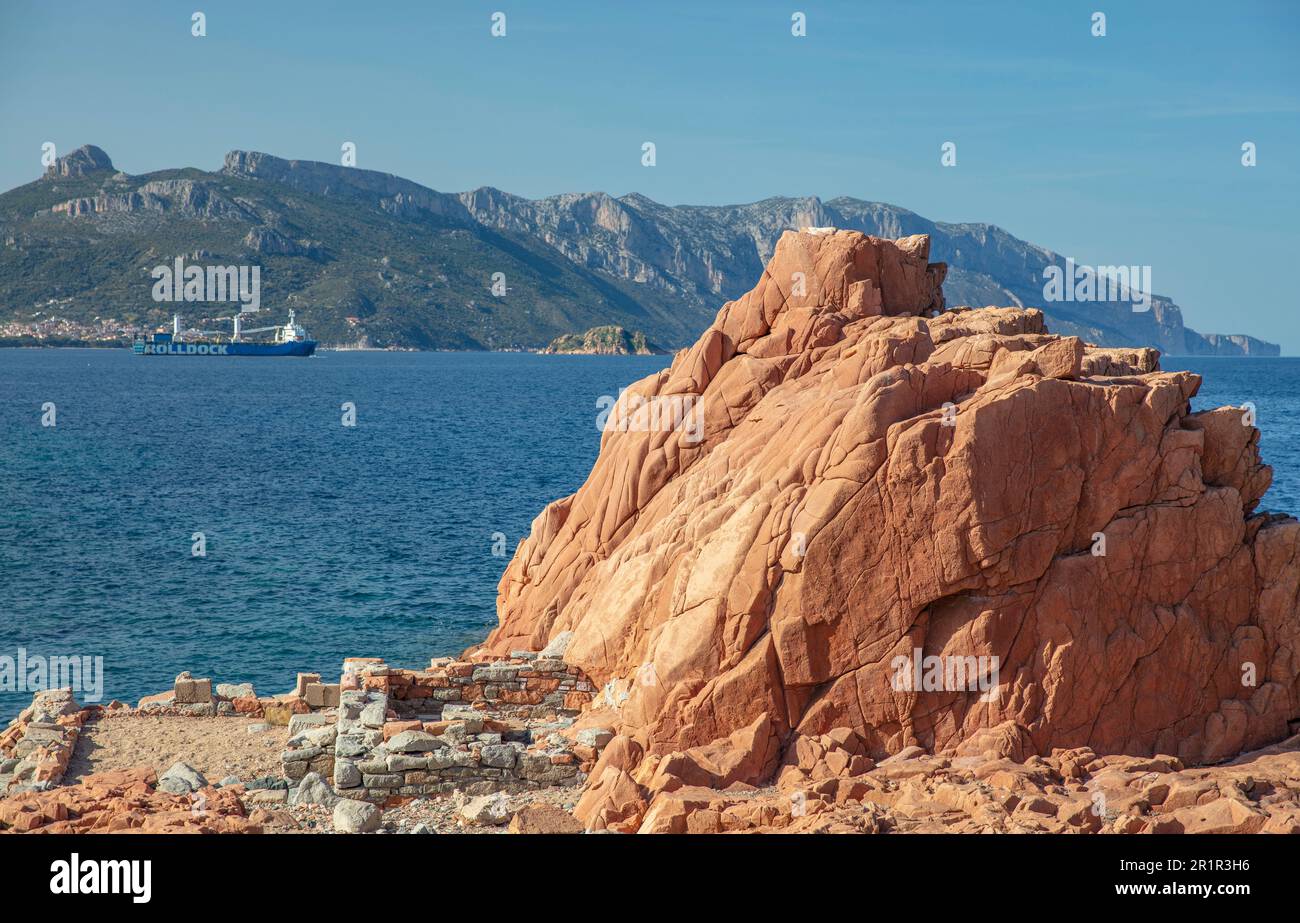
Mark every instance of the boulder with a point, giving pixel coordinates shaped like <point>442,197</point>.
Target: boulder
<point>234,691</point>
<point>313,790</point>
<point>181,779</point>
<point>486,811</point>
<point>862,484</point>
<point>356,817</point>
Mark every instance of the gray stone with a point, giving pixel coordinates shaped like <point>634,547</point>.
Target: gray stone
<point>235,690</point>
<point>267,782</point>
<point>596,738</point>
<point>372,716</point>
<point>356,817</point>
<point>268,796</point>
<point>487,811</point>
<point>313,790</point>
<point>346,774</point>
<point>302,754</point>
<point>54,702</point>
<point>499,755</point>
<point>413,742</point>
<point>350,745</point>
<point>462,713</point>
<point>38,736</point>
<point>495,673</point>
<point>181,779</point>
<point>320,737</point>
<point>463,758</point>
<point>322,695</point>
<point>300,723</point>
<point>440,759</point>
<point>382,780</point>
<point>537,767</point>
<point>401,762</point>
<point>228,780</point>
<point>556,647</point>
<point>258,728</point>
<point>46,723</point>
<point>191,691</point>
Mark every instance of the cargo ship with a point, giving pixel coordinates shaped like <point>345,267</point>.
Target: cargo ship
<point>287,340</point>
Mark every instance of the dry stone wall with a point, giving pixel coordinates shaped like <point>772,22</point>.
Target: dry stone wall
<point>473,727</point>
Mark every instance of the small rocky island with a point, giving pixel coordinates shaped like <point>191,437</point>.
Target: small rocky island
<point>604,341</point>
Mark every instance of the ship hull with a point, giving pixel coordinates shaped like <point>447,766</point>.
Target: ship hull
<point>304,348</point>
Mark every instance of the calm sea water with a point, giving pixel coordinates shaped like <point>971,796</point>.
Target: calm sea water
<point>323,541</point>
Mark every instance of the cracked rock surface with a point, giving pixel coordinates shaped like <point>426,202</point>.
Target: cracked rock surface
<point>863,482</point>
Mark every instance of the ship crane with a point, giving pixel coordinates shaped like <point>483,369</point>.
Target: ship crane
<point>240,331</point>
<point>284,332</point>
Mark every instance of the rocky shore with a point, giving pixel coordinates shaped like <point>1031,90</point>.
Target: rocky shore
<point>911,570</point>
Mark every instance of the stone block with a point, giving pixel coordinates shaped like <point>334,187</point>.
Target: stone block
<point>382,780</point>
<point>191,691</point>
<point>346,774</point>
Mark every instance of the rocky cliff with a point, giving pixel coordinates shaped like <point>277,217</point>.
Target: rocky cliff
<point>700,254</point>
<point>865,521</point>
<point>1219,344</point>
<point>366,255</point>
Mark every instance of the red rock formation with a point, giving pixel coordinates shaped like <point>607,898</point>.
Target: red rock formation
<point>855,483</point>
<point>125,801</point>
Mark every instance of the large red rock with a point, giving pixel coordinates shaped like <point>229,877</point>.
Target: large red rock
<point>861,482</point>
<point>121,801</point>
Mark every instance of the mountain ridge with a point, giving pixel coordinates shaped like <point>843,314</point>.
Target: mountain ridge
<point>370,257</point>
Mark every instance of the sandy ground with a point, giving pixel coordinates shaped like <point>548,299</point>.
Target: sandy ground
<point>421,815</point>
<point>221,747</point>
<point>216,747</point>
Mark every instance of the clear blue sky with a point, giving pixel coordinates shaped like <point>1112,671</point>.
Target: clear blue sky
<point>1117,150</point>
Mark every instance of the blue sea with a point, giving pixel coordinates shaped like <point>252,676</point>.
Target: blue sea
<point>322,540</point>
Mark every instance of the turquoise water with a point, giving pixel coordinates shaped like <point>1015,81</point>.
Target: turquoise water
<point>323,541</point>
